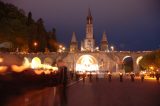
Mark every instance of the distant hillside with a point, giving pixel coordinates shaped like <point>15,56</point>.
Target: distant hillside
<point>20,29</point>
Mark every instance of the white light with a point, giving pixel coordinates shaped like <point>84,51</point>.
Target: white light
<point>126,57</point>
<point>26,62</point>
<point>138,60</point>
<point>36,63</point>
<point>60,46</point>
<point>87,63</point>
<point>112,48</point>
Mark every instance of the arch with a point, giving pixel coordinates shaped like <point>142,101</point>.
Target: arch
<point>126,57</point>
<point>138,59</point>
<point>87,63</point>
<point>127,63</point>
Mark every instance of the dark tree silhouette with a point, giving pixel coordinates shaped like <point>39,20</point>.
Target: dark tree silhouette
<point>22,31</point>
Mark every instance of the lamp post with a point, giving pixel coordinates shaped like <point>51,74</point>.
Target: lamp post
<point>35,44</point>
<point>61,48</point>
<point>151,67</point>
<point>112,48</point>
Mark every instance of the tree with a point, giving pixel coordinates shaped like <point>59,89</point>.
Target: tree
<point>22,30</point>
<point>41,35</point>
<point>52,41</point>
<point>29,19</point>
<point>150,60</point>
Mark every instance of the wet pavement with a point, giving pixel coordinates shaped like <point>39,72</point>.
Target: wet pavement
<point>94,93</point>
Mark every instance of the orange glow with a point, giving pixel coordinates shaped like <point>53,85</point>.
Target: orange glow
<point>150,78</point>
<point>120,73</point>
<point>60,46</point>
<point>151,67</point>
<point>47,72</point>
<point>21,68</point>
<point>35,43</point>
<point>1,60</point>
<point>3,69</point>
<point>38,72</point>
<point>18,69</point>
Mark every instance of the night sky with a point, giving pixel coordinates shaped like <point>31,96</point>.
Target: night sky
<point>129,24</point>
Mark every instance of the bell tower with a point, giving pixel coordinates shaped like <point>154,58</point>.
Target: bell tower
<point>89,26</point>
<point>89,42</point>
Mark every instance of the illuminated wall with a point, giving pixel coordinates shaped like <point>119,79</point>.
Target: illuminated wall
<point>87,63</point>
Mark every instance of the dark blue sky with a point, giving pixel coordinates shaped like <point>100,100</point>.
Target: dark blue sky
<point>129,24</point>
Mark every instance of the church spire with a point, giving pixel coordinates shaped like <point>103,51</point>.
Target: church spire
<point>74,43</point>
<point>104,42</point>
<point>89,42</point>
<point>89,12</point>
<point>104,38</point>
<point>73,37</point>
<point>89,17</point>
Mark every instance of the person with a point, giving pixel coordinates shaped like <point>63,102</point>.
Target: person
<point>65,76</point>
<point>132,76</point>
<point>71,74</point>
<point>121,77</point>
<point>96,76</point>
<point>142,77</point>
<point>60,81</point>
<point>157,76</point>
<point>84,76</point>
<point>90,77</point>
<point>77,76</point>
<point>63,82</point>
<point>109,76</point>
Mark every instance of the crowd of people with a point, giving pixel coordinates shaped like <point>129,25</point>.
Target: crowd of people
<point>76,76</point>
<point>108,75</point>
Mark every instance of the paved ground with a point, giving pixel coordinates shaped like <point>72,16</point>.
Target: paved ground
<point>95,93</point>
<point>115,93</point>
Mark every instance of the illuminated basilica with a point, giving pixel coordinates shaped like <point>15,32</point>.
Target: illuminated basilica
<point>90,57</point>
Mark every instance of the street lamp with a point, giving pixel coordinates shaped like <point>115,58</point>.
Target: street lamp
<point>112,48</point>
<point>97,49</point>
<point>151,67</point>
<point>35,44</point>
<point>61,48</point>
